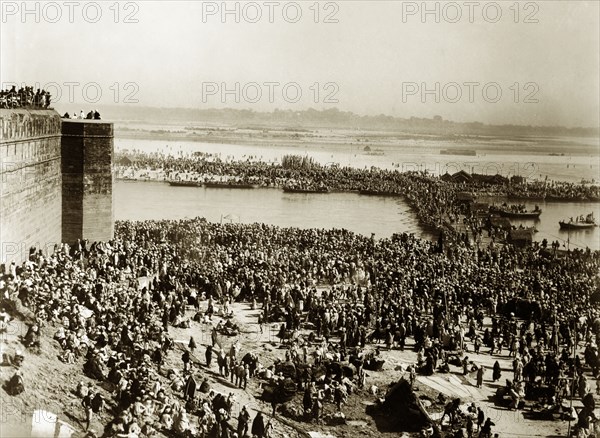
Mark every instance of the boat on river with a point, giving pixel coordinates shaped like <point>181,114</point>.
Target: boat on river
<point>185,183</point>
<point>306,190</point>
<point>506,211</point>
<point>466,152</point>
<point>565,198</point>
<point>579,224</point>
<point>228,185</point>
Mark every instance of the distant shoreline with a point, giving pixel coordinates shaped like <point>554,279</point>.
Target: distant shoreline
<point>452,144</point>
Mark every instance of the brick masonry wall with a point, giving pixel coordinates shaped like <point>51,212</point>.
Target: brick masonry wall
<point>30,182</point>
<point>56,181</point>
<point>87,156</point>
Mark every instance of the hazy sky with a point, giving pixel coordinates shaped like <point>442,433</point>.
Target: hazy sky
<point>379,57</point>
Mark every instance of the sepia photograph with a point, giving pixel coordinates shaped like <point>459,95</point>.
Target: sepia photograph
<point>300,219</point>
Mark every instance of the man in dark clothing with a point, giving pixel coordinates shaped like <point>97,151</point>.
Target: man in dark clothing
<point>307,400</point>
<point>15,384</point>
<point>496,373</point>
<point>214,336</point>
<point>258,426</point>
<point>465,364</point>
<point>157,357</point>
<point>192,344</point>
<point>480,417</point>
<point>189,391</point>
<point>87,406</point>
<point>185,357</point>
<point>243,422</point>
<point>469,427</point>
<point>486,430</point>
<point>97,403</point>
<point>208,355</point>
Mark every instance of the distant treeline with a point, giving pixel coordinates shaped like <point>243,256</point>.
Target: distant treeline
<point>334,118</point>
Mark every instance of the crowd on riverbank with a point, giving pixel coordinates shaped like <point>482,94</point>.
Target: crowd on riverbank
<point>435,293</point>
<point>551,191</point>
<point>432,199</point>
<point>308,172</point>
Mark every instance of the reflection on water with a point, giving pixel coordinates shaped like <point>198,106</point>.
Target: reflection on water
<point>360,214</point>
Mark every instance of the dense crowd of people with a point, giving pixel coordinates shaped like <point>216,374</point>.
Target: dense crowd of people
<point>309,173</point>
<point>24,97</point>
<point>431,295</point>
<point>536,190</point>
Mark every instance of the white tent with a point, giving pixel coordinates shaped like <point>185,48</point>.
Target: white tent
<point>45,424</point>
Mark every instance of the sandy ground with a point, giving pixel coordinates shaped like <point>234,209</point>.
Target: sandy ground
<point>337,136</point>
<point>50,384</point>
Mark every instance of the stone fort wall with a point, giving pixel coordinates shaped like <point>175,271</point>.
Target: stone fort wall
<point>30,182</point>
<point>87,180</point>
<point>55,181</point>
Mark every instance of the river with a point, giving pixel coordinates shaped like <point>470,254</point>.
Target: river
<point>361,214</point>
